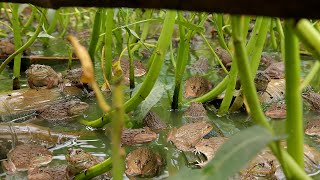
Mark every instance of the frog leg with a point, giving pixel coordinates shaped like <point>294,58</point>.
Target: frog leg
<point>50,83</point>
<point>31,85</point>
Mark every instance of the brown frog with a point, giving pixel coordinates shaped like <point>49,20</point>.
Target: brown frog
<point>137,136</point>
<point>195,111</point>
<point>276,70</point>
<point>263,165</point>
<point>74,76</point>
<point>139,69</point>
<point>187,136</point>
<point>261,81</point>
<point>79,161</point>
<point>266,61</point>
<point>313,99</point>
<point>224,56</point>
<point>196,86</point>
<point>42,75</point>
<point>6,48</point>
<point>209,147</point>
<point>277,111</point>
<point>143,162</point>
<point>153,121</point>
<point>313,128</point>
<point>48,173</point>
<point>26,156</point>
<point>62,110</point>
<point>200,66</point>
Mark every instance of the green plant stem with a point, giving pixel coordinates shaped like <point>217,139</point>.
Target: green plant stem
<point>218,21</point>
<point>131,65</point>
<point>214,53</point>
<point>30,19</point>
<point>312,73</point>
<point>182,60</point>
<point>291,168</point>
<point>25,46</point>
<point>117,124</point>
<point>95,170</point>
<point>254,36</point>
<point>272,36</point>
<point>108,43</point>
<point>218,89</point>
<point>145,30</point>
<point>309,36</point>
<point>147,85</point>
<point>53,23</point>
<point>95,33</point>
<point>294,123</point>
<point>281,34</point>
<point>17,43</point>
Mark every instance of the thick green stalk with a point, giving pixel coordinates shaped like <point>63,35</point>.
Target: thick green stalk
<point>272,36</point>
<point>309,36</point>
<point>147,85</point>
<point>218,21</point>
<point>294,123</point>
<point>117,124</point>
<point>95,33</point>
<point>53,23</point>
<point>131,66</point>
<point>281,34</point>
<point>145,30</point>
<point>257,50</point>
<point>95,170</point>
<point>182,60</point>
<point>254,35</point>
<point>312,73</point>
<point>291,169</point>
<point>108,43</point>
<point>17,44</point>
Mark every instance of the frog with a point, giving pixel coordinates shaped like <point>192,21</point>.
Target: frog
<point>6,48</point>
<point>139,69</point>
<point>195,111</point>
<point>43,76</point>
<point>26,156</point>
<point>275,70</point>
<point>196,86</point>
<point>74,77</point>
<point>313,99</point>
<point>265,61</point>
<point>200,66</point>
<point>188,135</point>
<point>313,128</point>
<point>153,121</point>
<point>137,136</point>
<point>263,165</point>
<point>79,161</point>
<point>261,81</point>
<point>62,110</point>
<point>224,56</point>
<point>143,162</point>
<point>277,110</point>
<point>208,147</point>
<point>48,173</point>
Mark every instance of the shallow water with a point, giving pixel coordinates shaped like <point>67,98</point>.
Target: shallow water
<point>97,142</point>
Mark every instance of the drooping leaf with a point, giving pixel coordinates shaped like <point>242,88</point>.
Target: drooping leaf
<point>236,152</point>
<point>154,96</point>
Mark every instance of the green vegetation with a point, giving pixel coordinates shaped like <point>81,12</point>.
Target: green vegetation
<point>127,32</point>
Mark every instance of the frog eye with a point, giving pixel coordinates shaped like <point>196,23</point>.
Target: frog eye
<point>78,151</point>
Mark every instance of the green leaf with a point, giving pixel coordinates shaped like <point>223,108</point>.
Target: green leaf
<point>154,96</point>
<point>237,151</point>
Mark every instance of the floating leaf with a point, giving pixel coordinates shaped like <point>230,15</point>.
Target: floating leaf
<point>237,151</point>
